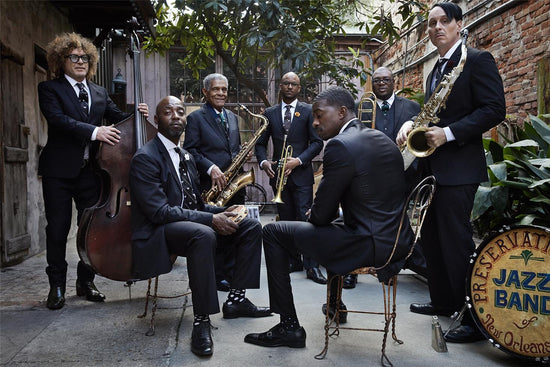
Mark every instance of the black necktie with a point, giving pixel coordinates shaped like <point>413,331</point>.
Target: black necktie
<point>189,197</point>
<point>286,121</point>
<point>83,97</point>
<point>385,107</point>
<point>438,72</point>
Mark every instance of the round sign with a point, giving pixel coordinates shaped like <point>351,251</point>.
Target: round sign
<point>509,291</point>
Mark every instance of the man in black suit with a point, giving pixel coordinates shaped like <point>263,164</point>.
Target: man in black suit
<point>292,120</point>
<point>391,112</point>
<point>170,218</point>
<point>362,173</point>
<point>74,108</point>
<point>475,104</point>
<point>212,137</point>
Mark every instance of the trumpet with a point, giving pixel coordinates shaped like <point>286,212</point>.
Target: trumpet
<point>281,178</point>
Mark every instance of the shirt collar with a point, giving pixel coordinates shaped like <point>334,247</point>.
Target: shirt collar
<point>346,125</point>
<point>390,100</point>
<point>293,104</point>
<point>73,81</point>
<point>451,50</point>
<point>168,144</point>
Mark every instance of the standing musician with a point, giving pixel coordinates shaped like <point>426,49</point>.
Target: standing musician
<point>292,119</point>
<point>169,217</point>
<point>362,173</point>
<point>474,105</point>
<point>391,110</point>
<point>212,137</point>
<point>74,108</point>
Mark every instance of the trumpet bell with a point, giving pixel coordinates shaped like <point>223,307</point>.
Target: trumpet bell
<point>417,143</point>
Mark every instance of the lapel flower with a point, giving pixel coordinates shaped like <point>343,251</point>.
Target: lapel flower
<point>297,114</point>
<point>186,155</point>
<point>450,64</point>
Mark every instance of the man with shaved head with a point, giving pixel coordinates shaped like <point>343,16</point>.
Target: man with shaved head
<point>170,218</point>
<point>292,119</point>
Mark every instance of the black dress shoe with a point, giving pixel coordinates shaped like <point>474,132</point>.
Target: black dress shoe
<point>223,285</point>
<point>89,290</point>
<point>295,266</point>
<point>316,275</point>
<point>342,316</point>
<point>429,309</point>
<point>278,336</point>
<point>56,298</point>
<point>244,309</point>
<point>464,334</point>
<point>350,281</point>
<point>201,340</point>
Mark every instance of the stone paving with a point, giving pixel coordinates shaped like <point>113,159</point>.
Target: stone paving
<point>111,334</point>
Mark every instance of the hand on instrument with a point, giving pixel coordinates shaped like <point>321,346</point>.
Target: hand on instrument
<point>222,224</point>
<point>108,134</point>
<point>266,166</point>
<point>291,163</point>
<point>144,109</point>
<point>435,137</point>
<point>218,178</point>
<point>403,132</point>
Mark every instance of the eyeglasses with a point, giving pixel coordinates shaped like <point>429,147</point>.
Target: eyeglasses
<point>382,80</point>
<point>286,84</point>
<point>74,58</point>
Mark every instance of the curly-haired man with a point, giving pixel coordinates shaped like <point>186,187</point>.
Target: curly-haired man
<point>74,108</point>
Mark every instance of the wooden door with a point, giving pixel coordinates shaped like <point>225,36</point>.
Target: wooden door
<point>15,240</point>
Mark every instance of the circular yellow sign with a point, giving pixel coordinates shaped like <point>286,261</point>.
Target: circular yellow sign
<point>509,291</point>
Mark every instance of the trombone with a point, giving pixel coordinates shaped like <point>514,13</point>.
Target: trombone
<point>281,178</point>
<point>366,109</point>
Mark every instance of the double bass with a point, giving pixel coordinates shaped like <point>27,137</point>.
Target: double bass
<point>104,232</point>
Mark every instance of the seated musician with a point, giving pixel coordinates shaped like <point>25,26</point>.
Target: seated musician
<point>362,172</point>
<point>169,217</point>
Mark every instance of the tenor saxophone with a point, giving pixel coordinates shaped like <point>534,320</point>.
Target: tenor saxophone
<point>234,181</point>
<point>416,144</point>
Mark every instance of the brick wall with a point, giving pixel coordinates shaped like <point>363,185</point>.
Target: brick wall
<point>518,38</point>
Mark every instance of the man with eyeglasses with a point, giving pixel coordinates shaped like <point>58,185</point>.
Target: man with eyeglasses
<point>293,119</point>
<point>74,108</point>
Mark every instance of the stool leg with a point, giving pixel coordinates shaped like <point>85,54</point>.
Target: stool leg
<point>154,309</point>
<point>146,299</point>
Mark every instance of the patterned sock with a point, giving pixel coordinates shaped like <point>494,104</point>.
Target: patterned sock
<point>236,296</point>
<point>290,322</point>
<point>201,318</point>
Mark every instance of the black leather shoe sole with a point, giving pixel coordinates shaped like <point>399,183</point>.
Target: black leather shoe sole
<point>274,338</point>
<point>89,290</point>
<point>464,334</point>
<point>428,309</point>
<point>202,352</point>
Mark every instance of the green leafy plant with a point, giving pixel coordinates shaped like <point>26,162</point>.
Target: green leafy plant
<point>518,191</point>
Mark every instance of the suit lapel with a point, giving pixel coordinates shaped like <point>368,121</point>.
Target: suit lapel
<point>95,96</point>
<point>214,125</point>
<point>167,160</point>
<point>71,96</point>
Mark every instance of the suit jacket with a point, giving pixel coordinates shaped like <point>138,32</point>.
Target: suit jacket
<point>207,141</point>
<point>404,110</point>
<point>69,129</point>
<point>362,173</point>
<point>475,105</point>
<point>157,199</point>
<point>305,142</point>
